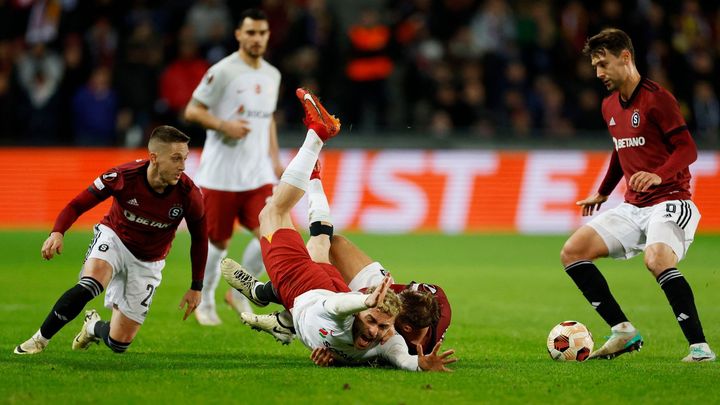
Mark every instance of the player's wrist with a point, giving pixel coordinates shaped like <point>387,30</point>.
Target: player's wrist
<point>196,285</point>
<point>221,126</point>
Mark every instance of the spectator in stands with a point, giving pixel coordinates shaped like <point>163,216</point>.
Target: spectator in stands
<point>94,111</point>
<point>39,72</point>
<point>368,68</point>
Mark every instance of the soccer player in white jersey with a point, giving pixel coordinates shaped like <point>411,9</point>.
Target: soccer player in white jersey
<point>326,315</point>
<point>235,102</point>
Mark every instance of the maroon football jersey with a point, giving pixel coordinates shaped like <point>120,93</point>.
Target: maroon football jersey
<point>143,219</point>
<point>649,134</point>
<point>438,330</point>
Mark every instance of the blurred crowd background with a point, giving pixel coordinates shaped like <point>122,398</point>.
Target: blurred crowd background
<point>105,72</point>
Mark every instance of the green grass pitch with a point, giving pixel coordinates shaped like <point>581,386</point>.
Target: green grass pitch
<point>506,291</point>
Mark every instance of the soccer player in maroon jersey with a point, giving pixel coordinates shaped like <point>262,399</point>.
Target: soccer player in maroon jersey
<point>653,150</point>
<point>127,253</point>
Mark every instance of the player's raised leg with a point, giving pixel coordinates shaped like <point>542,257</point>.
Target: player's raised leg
<point>294,181</point>
<point>95,277</point>
<point>577,255</point>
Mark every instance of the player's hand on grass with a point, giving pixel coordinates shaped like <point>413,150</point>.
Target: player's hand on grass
<point>378,295</point>
<point>235,129</point>
<point>642,181</point>
<point>322,356</point>
<point>435,361</point>
<point>192,299</point>
<point>53,245</point>
<point>592,204</point>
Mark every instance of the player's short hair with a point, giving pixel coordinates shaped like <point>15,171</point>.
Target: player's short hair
<point>391,305</point>
<point>253,14</point>
<point>611,40</point>
<point>420,309</point>
<point>167,134</point>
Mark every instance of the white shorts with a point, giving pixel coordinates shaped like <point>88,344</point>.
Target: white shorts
<point>370,276</point>
<point>133,281</point>
<point>627,229</point>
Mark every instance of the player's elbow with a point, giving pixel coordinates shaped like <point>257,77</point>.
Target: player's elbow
<point>190,114</point>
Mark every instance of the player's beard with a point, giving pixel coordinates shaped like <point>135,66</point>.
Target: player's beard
<point>255,52</point>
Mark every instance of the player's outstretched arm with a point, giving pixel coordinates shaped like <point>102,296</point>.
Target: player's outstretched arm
<point>53,245</point>
<point>378,295</point>
<point>435,361</point>
<point>592,204</point>
<point>192,300</point>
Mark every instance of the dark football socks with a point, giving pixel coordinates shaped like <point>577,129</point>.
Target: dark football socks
<point>596,290</point>
<point>69,305</point>
<point>266,292</point>
<point>682,301</point>
<point>102,331</point>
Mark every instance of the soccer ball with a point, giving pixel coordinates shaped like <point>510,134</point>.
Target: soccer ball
<point>570,340</point>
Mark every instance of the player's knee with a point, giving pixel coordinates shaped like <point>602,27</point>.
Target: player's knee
<point>659,257</point>
<point>570,253</point>
<point>269,211</point>
<point>339,240</point>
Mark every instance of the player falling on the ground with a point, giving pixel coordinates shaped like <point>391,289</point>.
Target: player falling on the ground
<point>325,313</point>
<point>425,313</point>
<point>127,253</point>
<point>653,150</point>
<point>240,161</point>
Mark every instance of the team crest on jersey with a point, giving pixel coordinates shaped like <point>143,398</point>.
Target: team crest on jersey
<point>635,119</point>
<point>110,176</point>
<point>241,109</point>
<point>258,89</point>
<point>175,212</point>
<point>324,332</point>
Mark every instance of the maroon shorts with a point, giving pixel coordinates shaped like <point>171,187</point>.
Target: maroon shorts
<point>291,270</point>
<point>222,207</point>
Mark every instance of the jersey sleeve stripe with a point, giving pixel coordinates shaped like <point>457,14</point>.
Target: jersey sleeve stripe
<point>676,131</point>
<point>95,193</point>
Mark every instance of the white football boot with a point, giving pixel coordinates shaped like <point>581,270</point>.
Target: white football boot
<point>699,352</point>
<point>241,280</point>
<point>84,339</point>
<point>207,316</point>
<point>269,323</point>
<point>621,341</point>
<point>30,346</point>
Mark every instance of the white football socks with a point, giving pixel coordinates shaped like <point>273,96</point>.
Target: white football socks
<point>39,337</point>
<point>318,207</point>
<point>212,275</point>
<point>297,173</point>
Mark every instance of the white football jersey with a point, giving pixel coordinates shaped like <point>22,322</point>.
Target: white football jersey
<point>233,90</point>
<point>317,326</point>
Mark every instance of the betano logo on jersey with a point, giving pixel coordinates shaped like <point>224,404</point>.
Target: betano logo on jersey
<point>629,142</point>
<point>253,113</point>
<point>140,220</point>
